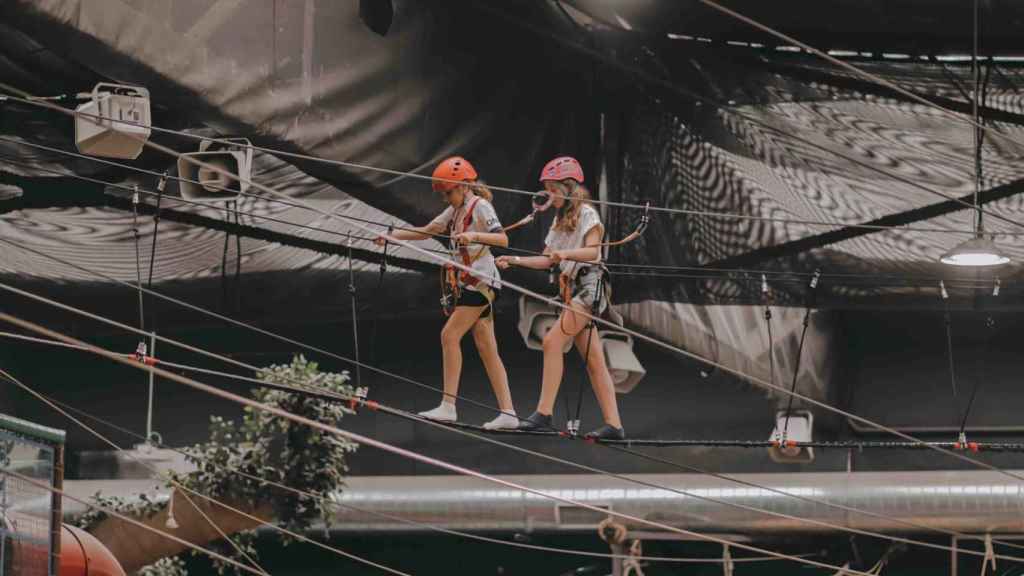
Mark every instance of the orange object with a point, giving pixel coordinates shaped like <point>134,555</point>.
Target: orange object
<point>81,554</point>
<point>452,171</point>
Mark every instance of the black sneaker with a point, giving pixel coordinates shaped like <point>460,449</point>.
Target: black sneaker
<point>607,432</point>
<point>536,422</point>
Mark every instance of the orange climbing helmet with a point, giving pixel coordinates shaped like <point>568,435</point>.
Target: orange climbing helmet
<point>562,168</point>
<point>452,171</point>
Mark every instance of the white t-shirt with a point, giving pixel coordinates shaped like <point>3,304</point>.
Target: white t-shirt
<point>562,240</point>
<point>485,219</point>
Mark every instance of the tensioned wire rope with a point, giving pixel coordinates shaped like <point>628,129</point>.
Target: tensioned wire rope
<point>94,117</point>
<point>634,333</point>
<point>65,410</point>
<point>852,280</point>
<point>131,521</point>
<point>403,414</point>
<point>725,109</point>
<point>891,85</point>
<point>440,260</point>
<point>185,491</point>
<point>653,442</point>
<point>182,201</point>
<point>957,455</point>
<point>650,270</point>
<point>661,344</point>
<point>970,459</point>
<point>398,451</point>
<point>684,211</point>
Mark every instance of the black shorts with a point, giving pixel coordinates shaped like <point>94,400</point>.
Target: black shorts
<point>473,298</point>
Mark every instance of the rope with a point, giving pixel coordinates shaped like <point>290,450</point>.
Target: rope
<point>355,315</point>
<point>723,108</point>
<point>768,325</point>
<point>406,415</point>
<point>1004,471</point>
<point>644,207</point>
<point>238,258</point>
<point>378,294</point>
<point>701,272</point>
<point>138,260</point>
<point>398,451</point>
<point>990,325</point>
<point>812,287</point>
<point>637,335</point>
<point>633,332</point>
<point>948,322</point>
<point>127,519</point>
<point>410,522</point>
<point>529,293</point>
<point>156,228</point>
<point>186,490</point>
<point>858,71</point>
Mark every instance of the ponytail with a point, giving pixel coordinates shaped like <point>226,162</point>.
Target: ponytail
<point>479,187</point>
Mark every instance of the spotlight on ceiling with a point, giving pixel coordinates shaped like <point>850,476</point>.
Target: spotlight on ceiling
<point>377,15</point>
<point>10,192</point>
<point>98,131</point>
<point>536,319</point>
<point>978,251</point>
<point>789,432</point>
<point>210,181</point>
<point>623,365</point>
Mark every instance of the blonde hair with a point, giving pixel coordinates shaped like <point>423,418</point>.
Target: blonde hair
<point>568,216</point>
<point>479,187</point>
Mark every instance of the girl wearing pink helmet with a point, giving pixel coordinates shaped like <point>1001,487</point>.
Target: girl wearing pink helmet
<point>574,245</point>
<point>472,226</point>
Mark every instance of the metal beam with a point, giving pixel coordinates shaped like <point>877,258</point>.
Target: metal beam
<point>846,233</point>
<point>872,88</point>
<point>53,193</point>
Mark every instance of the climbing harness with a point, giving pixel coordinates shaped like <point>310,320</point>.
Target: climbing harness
<point>452,280</point>
<point>569,285</point>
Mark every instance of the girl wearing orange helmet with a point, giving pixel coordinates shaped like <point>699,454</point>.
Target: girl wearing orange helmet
<point>574,245</point>
<point>472,226</point>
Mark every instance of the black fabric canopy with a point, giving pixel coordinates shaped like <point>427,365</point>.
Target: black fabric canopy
<point>795,149</point>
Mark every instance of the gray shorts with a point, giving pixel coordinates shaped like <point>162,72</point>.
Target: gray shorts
<point>587,287</point>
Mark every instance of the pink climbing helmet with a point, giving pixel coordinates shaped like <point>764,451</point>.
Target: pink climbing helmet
<point>562,168</point>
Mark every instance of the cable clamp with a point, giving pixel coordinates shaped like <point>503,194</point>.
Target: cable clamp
<point>996,287</point>
<point>359,398</point>
<point>815,279</point>
<point>990,556</point>
<point>942,290</point>
<point>162,184</point>
<point>727,564</point>
<point>573,427</point>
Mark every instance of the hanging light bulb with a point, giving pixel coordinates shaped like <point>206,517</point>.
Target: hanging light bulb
<point>979,251</point>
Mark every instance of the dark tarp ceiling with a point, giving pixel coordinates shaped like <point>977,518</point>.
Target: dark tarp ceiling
<point>469,78</point>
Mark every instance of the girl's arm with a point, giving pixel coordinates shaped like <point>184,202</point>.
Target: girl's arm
<point>416,233</point>
<point>499,239</point>
<point>536,262</point>
<point>590,252</point>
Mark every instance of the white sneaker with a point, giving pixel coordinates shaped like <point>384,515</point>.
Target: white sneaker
<point>445,412</point>
<point>504,421</point>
